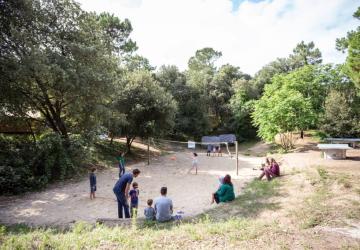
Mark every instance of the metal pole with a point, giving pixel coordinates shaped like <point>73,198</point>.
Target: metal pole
<point>237,158</point>
<point>148,149</point>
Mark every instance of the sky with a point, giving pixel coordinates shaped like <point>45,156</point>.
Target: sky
<point>249,33</point>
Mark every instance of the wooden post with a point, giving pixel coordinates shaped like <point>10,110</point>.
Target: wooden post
<point>148,149</point>
<point>237,158</point>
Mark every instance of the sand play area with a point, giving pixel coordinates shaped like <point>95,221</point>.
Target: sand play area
<point>62,204</point>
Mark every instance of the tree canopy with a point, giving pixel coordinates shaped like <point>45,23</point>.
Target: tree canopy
<point>57,61</point>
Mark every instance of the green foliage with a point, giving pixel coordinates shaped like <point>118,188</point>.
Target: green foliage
<point>351,43</point>
<point>57,62</point>
<point>220,91</point>
<point>305,54</point>
<point>342,114</point>
<point>242,105</point>
<point>149,109</point>
<point>26,166</point>
<point>191,118</point>
<point>266,73</point>
<point>282,112</point>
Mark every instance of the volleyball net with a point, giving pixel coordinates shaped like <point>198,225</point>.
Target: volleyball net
<point>211,148</point>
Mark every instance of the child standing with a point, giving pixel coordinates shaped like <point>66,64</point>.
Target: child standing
<point>134,199</point>
<point>92,183</point>
<point>149,211</point>
<point>194,163</point>
<point>121,160</point>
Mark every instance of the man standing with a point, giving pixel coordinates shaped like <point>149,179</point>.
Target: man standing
<point>163,207</point>
<point>121,190</point>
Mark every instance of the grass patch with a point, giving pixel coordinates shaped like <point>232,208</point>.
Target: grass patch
<point>202,234</point>
<point>329,204</point>
<point>315,211</point>
<point>254,199</point>
<point>317,135</point>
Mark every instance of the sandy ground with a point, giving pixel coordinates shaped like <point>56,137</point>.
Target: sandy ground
<point>67,203</point>
<point>62,204</point>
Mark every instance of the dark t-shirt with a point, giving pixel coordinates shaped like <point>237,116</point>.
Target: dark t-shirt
<point>92,180</point>
<point>120,185</point>
<point>134,193</point>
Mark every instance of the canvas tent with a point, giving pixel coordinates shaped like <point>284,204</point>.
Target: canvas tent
<point>230,138</point>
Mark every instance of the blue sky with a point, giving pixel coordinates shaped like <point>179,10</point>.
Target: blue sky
<point>249,33</point>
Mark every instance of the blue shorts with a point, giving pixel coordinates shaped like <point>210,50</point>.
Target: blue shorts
<point>93,189</point>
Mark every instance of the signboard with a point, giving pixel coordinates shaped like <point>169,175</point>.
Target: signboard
<point>191,144</point>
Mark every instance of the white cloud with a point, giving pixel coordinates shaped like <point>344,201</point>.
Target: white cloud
<point>170,31</point>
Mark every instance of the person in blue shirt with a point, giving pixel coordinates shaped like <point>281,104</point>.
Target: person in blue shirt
<point>92,183</point>
<point>163,207</point>
<point>134,199</point>
<point>121,190</point>
<point>149,211</point>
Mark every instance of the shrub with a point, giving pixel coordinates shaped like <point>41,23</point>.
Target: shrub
<point>26,165</point>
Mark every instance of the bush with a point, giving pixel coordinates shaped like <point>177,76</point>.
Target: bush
<point>26,165</point>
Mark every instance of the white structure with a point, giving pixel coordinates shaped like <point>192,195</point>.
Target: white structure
<point>351,141</point>
<point>334,151</point>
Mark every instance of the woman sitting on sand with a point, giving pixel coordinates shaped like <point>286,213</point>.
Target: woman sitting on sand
<point>225,192</point>
<point>271,171</point>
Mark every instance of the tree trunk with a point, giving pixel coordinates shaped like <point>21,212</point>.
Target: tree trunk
<point>32,131</point>
<point>302,134</point>
<point>111,140</point>
<point>129,140</point>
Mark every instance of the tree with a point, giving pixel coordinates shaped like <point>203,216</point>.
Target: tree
<point>136,62</point>
<point>58,61</point>
<point>191,118</point>
<point>342,116</point>
<point>220,92</point>
<point>148,108</point>
<point>351,44</point>
<point>305,54</point>
<point>242,105</point>
<point>281,112</point>
<point>202,68</point>
<point>266,73</point>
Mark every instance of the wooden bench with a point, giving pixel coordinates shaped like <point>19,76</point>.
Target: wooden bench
<point>334,151</point>
<point>352,141</point>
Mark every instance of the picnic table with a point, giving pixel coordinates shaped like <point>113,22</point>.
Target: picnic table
<point>334,151</point>
<point>351,141</point>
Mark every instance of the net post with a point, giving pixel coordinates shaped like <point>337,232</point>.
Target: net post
<point>237,158</point>
<point>148,150</point>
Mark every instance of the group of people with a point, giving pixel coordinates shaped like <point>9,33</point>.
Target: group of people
<point>162,210</point>
<point>214,149</point>
<point>270,169</point>
<point>163,207</point>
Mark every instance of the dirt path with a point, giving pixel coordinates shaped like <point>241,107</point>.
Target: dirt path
<point>190,193</point>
